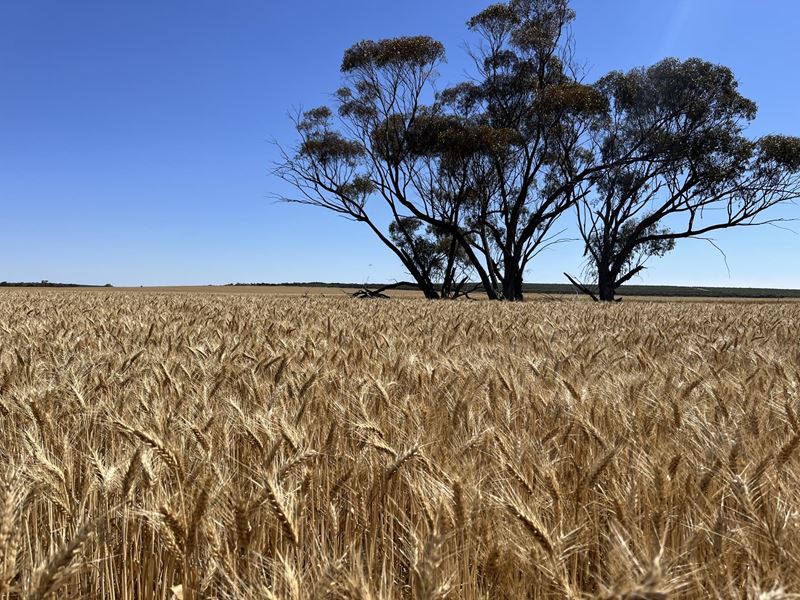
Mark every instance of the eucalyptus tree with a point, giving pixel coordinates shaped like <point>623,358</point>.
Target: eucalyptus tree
<point>526,100</point>
<point>482,163</point>
<point>348,165</point>
<point>472,181</point>
<point>702,175</point>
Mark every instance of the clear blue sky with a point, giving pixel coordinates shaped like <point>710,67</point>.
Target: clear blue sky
<point>135,136</point>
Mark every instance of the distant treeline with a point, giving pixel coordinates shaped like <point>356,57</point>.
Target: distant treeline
<point>564,288</point>
<point>47,284</point>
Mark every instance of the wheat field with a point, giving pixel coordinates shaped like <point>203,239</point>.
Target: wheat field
<point>241,446</point>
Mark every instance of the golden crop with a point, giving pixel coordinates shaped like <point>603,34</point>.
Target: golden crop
<point>161,445</point>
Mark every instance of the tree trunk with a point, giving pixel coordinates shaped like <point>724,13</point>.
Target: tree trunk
<point>606,290</point>
<point>425,285</point>
<point>448,280</point>
<point>423,282</point>
<point>431,294</point>
<point>512,283</point>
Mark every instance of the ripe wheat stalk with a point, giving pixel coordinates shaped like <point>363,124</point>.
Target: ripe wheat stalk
<point>164,445</point>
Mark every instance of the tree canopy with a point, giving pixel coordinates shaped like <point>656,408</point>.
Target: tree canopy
<point>704,173</point>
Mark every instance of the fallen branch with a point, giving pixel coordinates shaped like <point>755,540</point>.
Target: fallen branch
<point>365,292</point>
<point>581,287</point>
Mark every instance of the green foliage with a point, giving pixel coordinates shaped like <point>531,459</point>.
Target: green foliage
<point>324,145</point>
<point>455,138</point>
<point>409,235</point>
<point>416,51</point>
<point>500,18</point>
<point>696,89</point>
<point>678,110</point>
<point>540,24</point>
<point>781,150</point>
<point>315,118</point>
<point>635,246</point>
<point>329,146</point>
<point>574,98</point>
<point>431,248</point>
<point>360,187</point>
<point>358,108</point>
<point>530,25</point>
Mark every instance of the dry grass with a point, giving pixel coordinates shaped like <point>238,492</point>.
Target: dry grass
<point>257,447</point>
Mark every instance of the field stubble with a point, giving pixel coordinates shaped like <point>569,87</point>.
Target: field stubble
<point>279,447</point>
